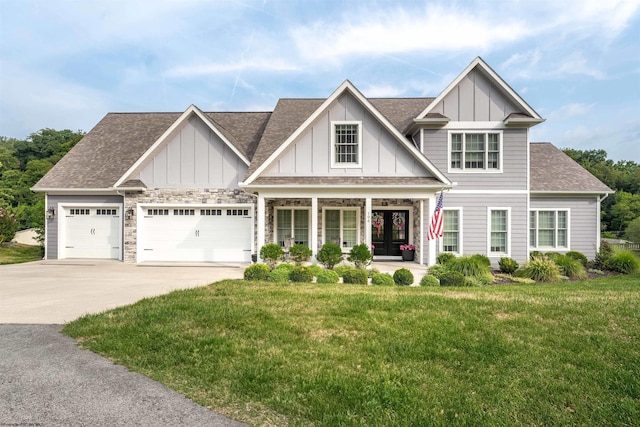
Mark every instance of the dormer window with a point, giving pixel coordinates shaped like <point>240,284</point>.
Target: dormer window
<point>475,151</point>
<point>346,145</point>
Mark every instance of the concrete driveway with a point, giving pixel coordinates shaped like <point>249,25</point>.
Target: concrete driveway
<point>55,292</point>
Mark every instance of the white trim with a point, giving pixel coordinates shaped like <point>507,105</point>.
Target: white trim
<point>422,235</point>
<point>342,209</point>
<point>480,125</point>
<point>528,188</point>
<point>479,62</point>
<point>314,227</point>
<point>347,86</point>
<point>570,193</point>
<point>485,170</point>
<point>498,254</point>
<point>276,209</point>
<point>537,247</point>
<point>518,192</point>
<point>181,121</point>
<point>460,231</point>
<point>332,145</point>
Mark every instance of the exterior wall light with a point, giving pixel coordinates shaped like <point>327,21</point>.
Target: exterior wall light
<point>51,213</point>
<point>129,213</point>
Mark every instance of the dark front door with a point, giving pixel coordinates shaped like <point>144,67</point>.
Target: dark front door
<point>389,230</point>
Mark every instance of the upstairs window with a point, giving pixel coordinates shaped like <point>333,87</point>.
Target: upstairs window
<point>475,151</point>
<point>346,144</point>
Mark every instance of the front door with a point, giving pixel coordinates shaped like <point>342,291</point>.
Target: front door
<point>389,230</point>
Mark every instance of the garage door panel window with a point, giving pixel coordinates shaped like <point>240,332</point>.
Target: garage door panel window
<point>158,212</point>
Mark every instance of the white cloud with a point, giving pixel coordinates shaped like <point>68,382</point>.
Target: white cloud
<point>208,68</point>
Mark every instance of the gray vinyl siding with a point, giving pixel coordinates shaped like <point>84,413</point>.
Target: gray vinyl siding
<point>584,224</point>
<point>382,154</point>
<point>514,161</point>
<point>52,224</point>
<point>475,98</point>
<point>475,221</point>
<point>195,157</point>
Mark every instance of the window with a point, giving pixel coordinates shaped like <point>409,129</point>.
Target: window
<point>549,229</point>
<point>184,212</point>
<point>105,212</point>
<point>451,230</point>
<point>292,223</point>
<point>477,151</point>
<point>341,226</point>
<point>210,212</point>
<point>79,211</point>
<point>346,144</point>
<point>499,232</point>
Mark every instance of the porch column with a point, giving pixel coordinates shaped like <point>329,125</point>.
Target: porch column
<point>367,221</point>
<point>422,233</point>
<point>314,227</point>
<point>261,224</point>
<point>432,243</point>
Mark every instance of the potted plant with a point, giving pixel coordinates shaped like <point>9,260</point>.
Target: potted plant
<point>408,252</point>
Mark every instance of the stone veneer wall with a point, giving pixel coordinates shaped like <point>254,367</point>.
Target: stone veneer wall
<point>180,196</point>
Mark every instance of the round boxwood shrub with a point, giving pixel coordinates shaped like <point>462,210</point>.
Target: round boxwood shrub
<point>578,256</point>
<point>301,274</point>
<point>508,265</point>
<point>570,267</point>
<point>299,253</point>
<point>382,279</point>
<point>315,269</point>
<point>281,273</point>
<point>452,278</point>
<point>360,255</point>
<point>271,254</point>
<point>341,269</point>
<point>327,276</point>
<point>540,269</point>
<point>437,270</point>
<point>429,280</point>
<point>623,261</point>
<point>403,277</point>
<point>482,259</point>
<point>329,255</point>
<point>257,272</point>
<point>356,276</point>
<point>444,257</point>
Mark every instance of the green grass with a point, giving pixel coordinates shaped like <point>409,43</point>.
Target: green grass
<point>16,254</point>
<point>351,355</point>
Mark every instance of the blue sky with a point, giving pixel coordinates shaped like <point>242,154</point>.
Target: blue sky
<point>65,64</point>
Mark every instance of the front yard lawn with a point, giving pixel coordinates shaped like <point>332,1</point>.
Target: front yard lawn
<point>311,354</point>
<point>15,253</point>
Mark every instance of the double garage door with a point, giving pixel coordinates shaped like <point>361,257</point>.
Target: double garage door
<point>195,234</point>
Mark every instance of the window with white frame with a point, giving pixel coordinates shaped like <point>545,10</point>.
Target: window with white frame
<point>499,231</point>
<point>451,230</point>
<point>475,151</point>
<point>549,229</point>
<point>346,144</point>
<point>292,223</point>
<point>341,226</point>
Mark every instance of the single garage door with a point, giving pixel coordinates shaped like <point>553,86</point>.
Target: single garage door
<point>203,234</point>
<point>91,232</point>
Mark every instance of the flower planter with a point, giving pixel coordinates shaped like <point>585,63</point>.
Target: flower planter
<point>408,255</point>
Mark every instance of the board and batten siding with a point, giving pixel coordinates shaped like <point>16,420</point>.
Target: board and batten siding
<point>52,224</point>
<point>475,221</point>
<point>195,157</point>
<point>514,161</point>
<point>382,154</point>
<point>475,98</point>
<point>584,224</point>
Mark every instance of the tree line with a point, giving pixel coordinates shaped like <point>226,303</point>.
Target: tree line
<point>24,162</point>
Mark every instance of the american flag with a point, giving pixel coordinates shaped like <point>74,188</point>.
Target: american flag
<point>435,229</point>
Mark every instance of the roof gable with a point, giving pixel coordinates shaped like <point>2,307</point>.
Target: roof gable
<point>279,137</point>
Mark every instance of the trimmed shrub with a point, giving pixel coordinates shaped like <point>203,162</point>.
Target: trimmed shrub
<point>508,265</point>
<point>471,267</point>
<point>301,274</point>
<point>315,269</point>
<point>429,280</point>
<point>279,275</point>
<point>603,255</point>
<point>444,258</point>
<point>623,261</point>
<point>452,278</point>
<point>382,279</point>
<point>540,269</point>
<point>329,255</point>
<point>257,272</point>
<point>300,253</point>
<point>341,269</point>
<point>437,270</point>
<point>271,254</point>
<point>373,271</point>
<point>403,277</point>
<point>356,276</point>
<point>570,267</point>
<point>360,255</point>
<point>578,256</point>
<point>327,276</point>
<point>482,259</point>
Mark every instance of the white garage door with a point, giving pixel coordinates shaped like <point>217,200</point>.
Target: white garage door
<point>203,234</point>
<point>91,232</point>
